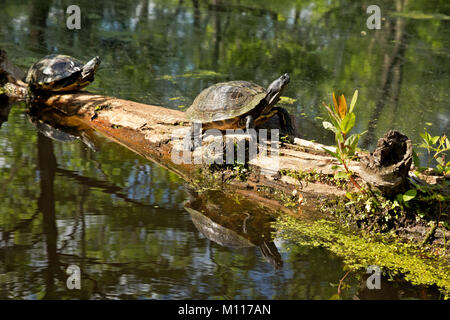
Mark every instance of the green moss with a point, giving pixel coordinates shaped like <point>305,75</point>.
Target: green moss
<point>375,212</point>
<point>236,170</point>
<point>314,176</point>
<point>214,176</point>
<point>415,265</point>
<point>286,199</point>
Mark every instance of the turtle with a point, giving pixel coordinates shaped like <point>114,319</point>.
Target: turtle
<point>57,72</point>
<point>236,105</point>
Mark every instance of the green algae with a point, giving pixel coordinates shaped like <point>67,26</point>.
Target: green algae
<point>287,100</point>
<point>406,260</point>
<point>418,15</point>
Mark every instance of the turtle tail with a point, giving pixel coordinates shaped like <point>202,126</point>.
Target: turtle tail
<point>90,68</point>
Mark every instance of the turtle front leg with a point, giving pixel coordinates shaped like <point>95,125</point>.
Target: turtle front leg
<point>193,138</point>
<point>285,120</point>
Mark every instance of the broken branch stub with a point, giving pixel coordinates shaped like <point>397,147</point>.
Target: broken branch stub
<point>387,167</point>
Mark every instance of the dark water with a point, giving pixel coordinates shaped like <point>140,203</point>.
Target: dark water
<point>122,219</point>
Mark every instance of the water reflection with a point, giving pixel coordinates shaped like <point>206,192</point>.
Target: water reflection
<point>46,206</point>
<point>5,108</point>
<point>54,125</point>
<point>221,220</point>
<point>392,72</point>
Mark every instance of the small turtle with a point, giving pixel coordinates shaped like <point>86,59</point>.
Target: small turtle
<point>58,72</point>
<point>235,105</point>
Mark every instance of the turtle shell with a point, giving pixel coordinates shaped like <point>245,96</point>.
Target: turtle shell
<point>225,101</point>
<point>53,68</point>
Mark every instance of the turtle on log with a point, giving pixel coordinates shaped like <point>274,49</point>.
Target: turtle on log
<point>57,72</point>
<point>236,105</point>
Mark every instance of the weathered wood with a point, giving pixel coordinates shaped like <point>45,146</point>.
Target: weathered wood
<point>387,166</point>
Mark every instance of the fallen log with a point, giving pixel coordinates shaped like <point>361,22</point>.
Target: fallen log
<point>156,133</point>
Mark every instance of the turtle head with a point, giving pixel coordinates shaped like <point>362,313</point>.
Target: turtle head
<point>90,68</point>
<point>276,88</point>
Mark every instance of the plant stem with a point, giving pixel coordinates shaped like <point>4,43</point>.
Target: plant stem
<point>350,176</point>
<point>340,283</point>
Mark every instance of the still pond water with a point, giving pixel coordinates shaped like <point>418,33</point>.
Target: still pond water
<point>135,230</point>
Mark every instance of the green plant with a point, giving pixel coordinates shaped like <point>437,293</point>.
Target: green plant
<point>439,145</point>
<point>240,170</point>
<point>342,120</point>
<point>402,199</point>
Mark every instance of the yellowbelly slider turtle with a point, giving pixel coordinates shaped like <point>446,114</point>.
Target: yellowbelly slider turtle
<point>235,105</point>
<point>57,72</point>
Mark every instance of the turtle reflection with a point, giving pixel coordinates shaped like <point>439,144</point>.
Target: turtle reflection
<point>59,127</point>
<point>233,223</point>
<point>5,108</point>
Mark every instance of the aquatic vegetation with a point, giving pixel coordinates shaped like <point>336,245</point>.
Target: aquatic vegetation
<point>369,209</point>
<point>420,15</point>
<point>287,100</point>
<point>342,120</point>
<point>195,75</point>
<point>410,262</point>
<point>376,213</point>
<point>439,146</point>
